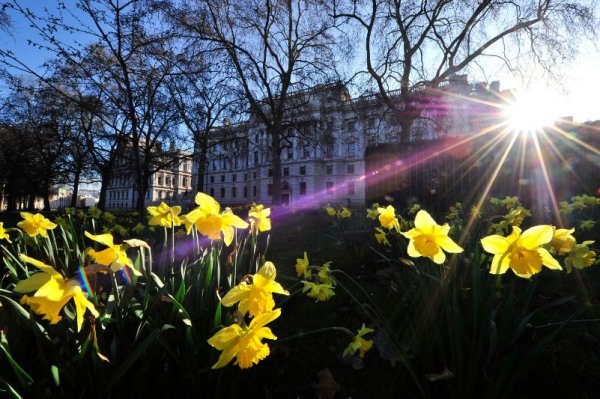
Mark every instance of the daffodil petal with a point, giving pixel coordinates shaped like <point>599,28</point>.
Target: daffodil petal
<point>536,236</point>
<point>265,318</point>
<point>439,257</point>
<point>235,295</point>
<point>424,221</point>
<point>40,265</point>
<point>495,244</point>
<point>412,250</point>
<point>106,239</point>
<point>226,356</point>
<point>32,283</point>
<point>500,264</point>
<point>548,260</point>
<point>207,204</point>
<point>448,244</point>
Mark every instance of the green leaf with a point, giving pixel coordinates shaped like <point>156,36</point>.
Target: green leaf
<point>55,375</point>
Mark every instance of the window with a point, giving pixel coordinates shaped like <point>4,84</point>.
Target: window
<point>245,192</point>
<point>329,150</point>
<point>234,192</point>
<point>185,166</point>
<point>168,181</point>
<point>329,186</point>
<point>351,126</point>
<point>302,188</point>
<point>236,162</point>
<point>270,172</point>
<point>286,171</point>
<point>222,192</point>
<point>302,170</point>
<point>184,183</point>
<point>350,187</point>
<point>351,169</point>
<point>212,192</point>
<point>371,123</point>
<point>254,175</point>
<point>306,151</point>
<point>254,191</point>
<point>222,178</point>
<point>234,177</point>
<point>255,157</point>
<point>270,189</point>
<point>160,179</point>
<point>245,176</point>
<point>214,164</point>
<point>212,179</point>
<point>329,169</point>
<point>352,149</point>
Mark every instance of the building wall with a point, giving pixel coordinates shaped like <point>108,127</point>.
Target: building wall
<point>172,185</point>
<point>329,168</point>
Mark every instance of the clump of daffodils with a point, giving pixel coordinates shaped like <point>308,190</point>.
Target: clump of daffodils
<point>254,297</point>
<point>208,219</point>
<point>341,213</point>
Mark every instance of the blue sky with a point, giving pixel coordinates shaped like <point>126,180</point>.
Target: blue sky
<point>577,97</point>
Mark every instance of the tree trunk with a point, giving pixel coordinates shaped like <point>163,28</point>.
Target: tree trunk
<point>47,197</point>
<point>106,175</point>
<point>274,134</point>
<point>75,187</point>
<point>31,202</point>
<point>202,165</point>
<point>142,187</point>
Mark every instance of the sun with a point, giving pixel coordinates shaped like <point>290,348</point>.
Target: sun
<point>530,111</point>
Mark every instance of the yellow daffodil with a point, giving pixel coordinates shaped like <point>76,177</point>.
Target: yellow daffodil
<point>580,257</point>
<point>35,224</point>
<point>321,292</point>
<point>373,213</point>
<point>325,274</point>
<point>302,269</point>
<point>259,218</point>
<point>381,237</point>
<point>563,241</point>
<point>330,211</point>
<point>164,215</point>
<point>52,293</point>
<point>244,343</point>
<point>210,222</point>
<point>359,344</point>
<point>428,239</point>
<point>115,256</point>
<point>4,234</point>
<point>256,297</point>
<point>388,219</point>
<point>345,213</point>
<point>523,253</point>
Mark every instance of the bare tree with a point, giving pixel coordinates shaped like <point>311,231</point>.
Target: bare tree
<point>204,96</point>
<point>410,46</point>
<point>125,64</point>
<point>275,47</point>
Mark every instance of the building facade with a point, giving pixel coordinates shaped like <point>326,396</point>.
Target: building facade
<point>171,184</point>
<point>325,134</point>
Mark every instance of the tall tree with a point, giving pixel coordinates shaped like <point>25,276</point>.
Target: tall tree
<point>413,45</point>
<point>205,98</point>
<point>124,61</point>
<point>275,47</point>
